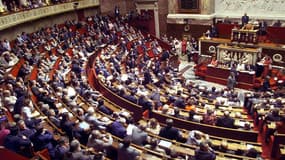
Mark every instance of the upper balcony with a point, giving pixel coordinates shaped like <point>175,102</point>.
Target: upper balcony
<point>15,18</point>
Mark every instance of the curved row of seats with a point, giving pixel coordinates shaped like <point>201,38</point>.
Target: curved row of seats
<point>73,113</point>
<point>126,105</point>
<point>134,108</point>
<point>138,110</point>
<point>113,97</point>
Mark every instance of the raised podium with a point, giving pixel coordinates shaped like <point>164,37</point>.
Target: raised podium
<point>246,36</point>
<point>220,75</point>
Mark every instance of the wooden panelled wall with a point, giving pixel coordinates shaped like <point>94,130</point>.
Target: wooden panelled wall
<point>177,30</point>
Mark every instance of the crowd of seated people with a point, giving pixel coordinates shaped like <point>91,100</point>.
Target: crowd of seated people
<point>48,89</point>
<point>118,82</point>
<point>19,5</point>
<point>167,102</point>
<point>50,94</point>
<point>16,97</point>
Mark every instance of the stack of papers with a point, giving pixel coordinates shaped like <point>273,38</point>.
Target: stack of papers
<point>164,144</point>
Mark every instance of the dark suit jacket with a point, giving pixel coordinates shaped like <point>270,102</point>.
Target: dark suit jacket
<point>36,92</point>
<point>59,152</point>
<point>42,141</point>
<point>142,101</point>
<point>164,56</point>
<point>271,117</point>
<point>23,72</point>
<point>118,129</point>
<point>204,155</point>
<point>179,103</point>
<point>132,98</point>
<point>169,133</point>
<point>67,127</point>
<point>244,20</point>
<point>15,143</point>
<point>227,122</point>
<point>105,110</point>
<point>127,153</point>
<point>19,104</point>
<point>27,132</point>
<point>32,122</point>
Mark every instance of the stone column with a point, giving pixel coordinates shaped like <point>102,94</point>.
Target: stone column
<point>207,6</point>
<point>156,21</point>
<point>150,5</point>
<point>172,6</point>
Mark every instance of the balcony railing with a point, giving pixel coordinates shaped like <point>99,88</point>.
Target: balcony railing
<point>13,19</point>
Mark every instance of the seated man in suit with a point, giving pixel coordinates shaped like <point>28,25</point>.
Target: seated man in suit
<point>179,102</point>
<point>16,142</point>
<point>131,97</point>
<point>61,148</point>
<point>169,132</point>
<point>75,152</point>
<point>204,152</point>
<point>125,151</point>
<point>225,121</point>
<point>118,129</point>
<point>103,108</point>
<point>43,139</point>
<point>139,135</point>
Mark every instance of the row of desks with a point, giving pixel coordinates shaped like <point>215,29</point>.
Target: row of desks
<point>271,49</point>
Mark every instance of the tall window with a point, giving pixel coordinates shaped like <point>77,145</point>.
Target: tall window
<point>189,6</point>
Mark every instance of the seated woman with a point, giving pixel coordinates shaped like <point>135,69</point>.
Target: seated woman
<point>209,117</point>
<point>266,62</point>
<point>153,126</point>
<point>214,62</point>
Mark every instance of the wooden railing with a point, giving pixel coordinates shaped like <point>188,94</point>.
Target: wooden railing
<point>134,108</point>
<point>7,154</point>
<point>10,20</point>
<point>278,139</point>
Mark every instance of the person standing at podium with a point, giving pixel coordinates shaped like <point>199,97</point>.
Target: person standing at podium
<point>244,19</point>
<point>213,31</point>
